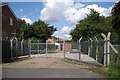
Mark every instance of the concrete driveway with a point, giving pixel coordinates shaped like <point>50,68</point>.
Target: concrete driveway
<point>46,67</point>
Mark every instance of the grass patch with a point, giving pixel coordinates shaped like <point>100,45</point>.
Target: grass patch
<point>97,69</point>
<point>113,70</point>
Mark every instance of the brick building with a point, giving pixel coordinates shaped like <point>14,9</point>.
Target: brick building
<point>58,42</point>
<point>9,22</point>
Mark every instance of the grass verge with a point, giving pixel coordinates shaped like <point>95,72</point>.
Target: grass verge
<point>111,72</point>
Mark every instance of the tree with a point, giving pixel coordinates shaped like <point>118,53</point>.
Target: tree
<point>20,29</point>
<point>39,30</point>
<point>92,26</point>
<point>116,18</point>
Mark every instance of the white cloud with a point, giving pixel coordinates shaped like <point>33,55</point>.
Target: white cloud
<point>117,1</point>
<point>66,30</point>
<point>101,10</point>
<point>69,10</point>
<point>27,20</point>
<point>63,33</point>
<point>78,5</point>
<point>72,12</point>
<point>53,11</point>
<point>67,36</point>
<point>21,10</point>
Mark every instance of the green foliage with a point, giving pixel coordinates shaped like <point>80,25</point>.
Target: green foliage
<point>116,18</point>
<point>38,30</point>
<point>93,25</point>
<point>114,70</point>
<point>34,40</point>
<point>20,29</point>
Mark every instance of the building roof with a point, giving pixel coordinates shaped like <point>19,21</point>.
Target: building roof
<point>6,4</point>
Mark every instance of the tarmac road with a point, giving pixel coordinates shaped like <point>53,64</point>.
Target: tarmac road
<point>51,67</point>
<point>48,73</point>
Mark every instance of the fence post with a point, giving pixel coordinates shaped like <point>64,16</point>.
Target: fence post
<point>108,48</point>
<point>29,48</point>
<point>22,47</point>
<point>11,44</point>
<point>16,47</point>
<point>105,49</point>
<point>80,48</point>
<point>96,49</point>
<point>46,47</point>
<point>90,46</point>
<point>64,49</point>
<point>38,47</point>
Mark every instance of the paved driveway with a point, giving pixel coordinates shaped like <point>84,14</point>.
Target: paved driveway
<point>46,67</point>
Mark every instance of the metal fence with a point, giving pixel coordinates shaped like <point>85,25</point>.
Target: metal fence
<point>13,49</point>
<point>97,50</point>
<point>71,50</point>
<point>42,48</point>
<point>114,56</point>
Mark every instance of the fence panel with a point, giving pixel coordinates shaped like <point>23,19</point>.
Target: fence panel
<point>19,49</point>
<point>42,48</point>
<point>12,50</point>
<point>114,56</point>
<point>25,48</point>
<point>84,46</point>
<point>93,49</point>
<point>97,50</point>
<point>51,48</point>
<point>71,50</point>
<point>6,50</point>
<point>101,51</point>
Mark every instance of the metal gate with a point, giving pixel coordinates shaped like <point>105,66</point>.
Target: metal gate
<point>41,49</point>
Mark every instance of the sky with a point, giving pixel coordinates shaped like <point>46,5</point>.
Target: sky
<point>62,15</point>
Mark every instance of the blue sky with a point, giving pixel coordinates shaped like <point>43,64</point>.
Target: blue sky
<point>62,15</point>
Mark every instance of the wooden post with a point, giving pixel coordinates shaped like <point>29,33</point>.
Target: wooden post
<point>80,48</point>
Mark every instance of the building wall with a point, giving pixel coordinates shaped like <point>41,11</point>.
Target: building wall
<point>50,40</point>
<point>68,47</point>
<point>7,29</point>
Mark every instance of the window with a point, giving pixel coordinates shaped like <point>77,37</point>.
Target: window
<point>11,22</point>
